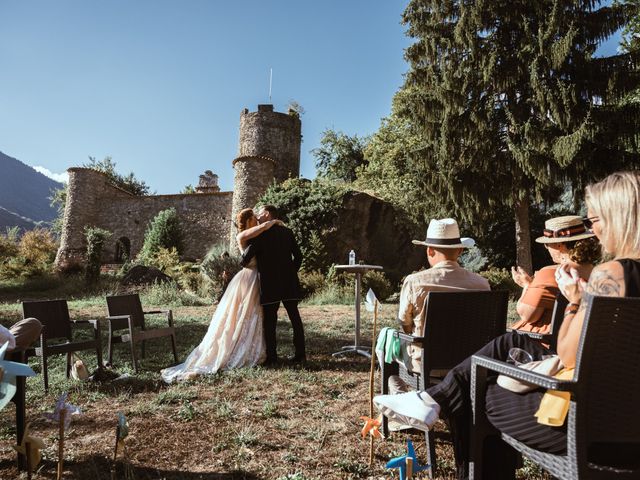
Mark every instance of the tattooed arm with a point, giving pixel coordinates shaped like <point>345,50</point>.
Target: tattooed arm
<point>606,280</point>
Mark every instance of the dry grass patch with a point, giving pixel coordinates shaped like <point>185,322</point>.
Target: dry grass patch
<point>283,423</point>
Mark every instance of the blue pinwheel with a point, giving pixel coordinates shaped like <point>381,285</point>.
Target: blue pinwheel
<point>8,373</point>
<point>401,463</point>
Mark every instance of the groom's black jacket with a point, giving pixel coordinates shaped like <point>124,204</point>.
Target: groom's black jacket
<point>279,259</point>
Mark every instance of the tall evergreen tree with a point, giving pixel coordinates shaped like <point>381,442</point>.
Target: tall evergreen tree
<point>512,100</point>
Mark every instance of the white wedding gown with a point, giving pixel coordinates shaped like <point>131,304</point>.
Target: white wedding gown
<point>234,338</point>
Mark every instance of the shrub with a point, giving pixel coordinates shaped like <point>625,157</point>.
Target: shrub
<point>95,242</point>
<point>9,243</point>
<point>170,294</point>
<point>216,262</point>
<point>311,282</point>
<point>338,289</point>
<point>163,232</point>
<point>31,255</point>
<point>378,282</point>
<point>500,279</point>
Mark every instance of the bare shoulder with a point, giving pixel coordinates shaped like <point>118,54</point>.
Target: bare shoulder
<point>607,279</point>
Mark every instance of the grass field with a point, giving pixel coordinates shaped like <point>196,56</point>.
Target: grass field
<point>254,423</point>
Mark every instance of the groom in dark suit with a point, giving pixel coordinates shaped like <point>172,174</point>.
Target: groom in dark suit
<point>279,260</point>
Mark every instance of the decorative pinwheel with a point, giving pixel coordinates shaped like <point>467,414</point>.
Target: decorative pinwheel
<point>408,464</point>
<point>371,426</point>
<point>63,411</point>
<point>30,447</point>
<point>62,414</point>
<point>8,373</point>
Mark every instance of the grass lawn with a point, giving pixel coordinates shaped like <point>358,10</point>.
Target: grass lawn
<point>254,423</point>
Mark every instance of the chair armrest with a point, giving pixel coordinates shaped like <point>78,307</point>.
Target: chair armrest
<point>405,337</point>
<point>503,368</point>
<point>534,335</point>
<point>83,323</point>
<point>118,317</point>
<point>154,312</point>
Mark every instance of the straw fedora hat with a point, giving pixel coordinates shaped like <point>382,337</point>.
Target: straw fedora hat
<point>444,233</point>
<point>564,229</point>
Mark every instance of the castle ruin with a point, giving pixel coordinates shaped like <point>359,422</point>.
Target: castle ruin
<point>268,152</point>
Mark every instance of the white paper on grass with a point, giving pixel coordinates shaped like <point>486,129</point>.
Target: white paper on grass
<point>370,301</point>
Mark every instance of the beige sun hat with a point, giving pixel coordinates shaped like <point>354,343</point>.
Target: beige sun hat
<point>564,229</point>
<point>444,233</point>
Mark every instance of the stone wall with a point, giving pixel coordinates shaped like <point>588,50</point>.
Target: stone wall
<point>375,230</point>
<point>204,220</point>
<point>93,201</point>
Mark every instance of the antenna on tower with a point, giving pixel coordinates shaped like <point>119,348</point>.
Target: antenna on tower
<point>270,82</point>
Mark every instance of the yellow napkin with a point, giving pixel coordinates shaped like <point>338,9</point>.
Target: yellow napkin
<point>555,405</point>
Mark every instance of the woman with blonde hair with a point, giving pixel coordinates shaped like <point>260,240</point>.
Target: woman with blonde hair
<point>614,214</point>
<point>234,338</point>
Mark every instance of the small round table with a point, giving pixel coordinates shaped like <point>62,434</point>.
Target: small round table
<point>358,270</point>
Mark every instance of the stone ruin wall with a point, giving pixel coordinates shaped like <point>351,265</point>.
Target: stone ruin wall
<point>93,201</point>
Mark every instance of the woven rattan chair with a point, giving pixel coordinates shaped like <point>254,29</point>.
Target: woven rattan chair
<point>56,325</point>
<point>457,325</point>
<point>605,391</point>
<point>125,313</point>
<point>557,317</point>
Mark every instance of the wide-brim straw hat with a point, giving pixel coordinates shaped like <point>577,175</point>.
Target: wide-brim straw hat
<point>569,228</point>
<point>444,233</point>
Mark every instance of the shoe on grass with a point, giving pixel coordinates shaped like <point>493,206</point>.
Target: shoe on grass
<point>415,409</point>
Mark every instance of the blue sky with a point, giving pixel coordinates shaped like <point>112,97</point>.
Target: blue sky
<point>159,85</point>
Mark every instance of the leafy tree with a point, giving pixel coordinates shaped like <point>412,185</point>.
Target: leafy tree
<point>188,189</point>
<point>164,231</point>
<point>308,208</point>
<point>510,101</point>
<point>128,182</point>
<point>339,156</point>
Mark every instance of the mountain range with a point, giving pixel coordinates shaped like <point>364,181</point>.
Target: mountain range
<point>24,195</point>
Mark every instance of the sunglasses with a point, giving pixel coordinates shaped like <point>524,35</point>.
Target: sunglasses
<point>589,221</point>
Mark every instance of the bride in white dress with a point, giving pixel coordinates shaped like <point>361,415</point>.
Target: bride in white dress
<point>234,338</point>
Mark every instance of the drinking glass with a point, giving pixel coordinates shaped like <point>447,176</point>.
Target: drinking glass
<point>518,356</point>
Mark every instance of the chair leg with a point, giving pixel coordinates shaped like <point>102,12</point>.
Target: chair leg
<point>68,368</point>
<point>45,371</point>
<point>110,346</point>
<point>133,348</point>
<point>173,347</point>
<point>431,452</point>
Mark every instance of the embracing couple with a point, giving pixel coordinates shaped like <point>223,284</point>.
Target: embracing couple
<point>242,332</point>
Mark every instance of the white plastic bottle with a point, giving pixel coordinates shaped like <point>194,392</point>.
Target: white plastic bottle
<point>352,257</point>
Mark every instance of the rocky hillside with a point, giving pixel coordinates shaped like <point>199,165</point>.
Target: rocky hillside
<point>24,195</point>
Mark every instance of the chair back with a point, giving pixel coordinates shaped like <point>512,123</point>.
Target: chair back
<point>125,305</point>
<point>457,324</point>
<point>608,376</point>
<point>52,314</point>
<point>556,320</point>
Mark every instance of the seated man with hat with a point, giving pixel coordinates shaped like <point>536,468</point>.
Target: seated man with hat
<point>444,246</point>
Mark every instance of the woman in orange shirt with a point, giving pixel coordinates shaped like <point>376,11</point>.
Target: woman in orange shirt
<point>568,244</point>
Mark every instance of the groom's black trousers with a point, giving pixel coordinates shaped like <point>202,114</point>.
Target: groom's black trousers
<point>270,320</point>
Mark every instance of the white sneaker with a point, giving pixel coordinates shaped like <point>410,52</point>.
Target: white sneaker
<point>416,409</point>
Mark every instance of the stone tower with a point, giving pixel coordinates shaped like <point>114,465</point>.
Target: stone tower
<point>87,192</point>
<point>268,151</point>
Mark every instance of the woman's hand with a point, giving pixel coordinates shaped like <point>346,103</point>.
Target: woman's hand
<point>271,223</point>
<point>570,283</point>
<point>522,278</point>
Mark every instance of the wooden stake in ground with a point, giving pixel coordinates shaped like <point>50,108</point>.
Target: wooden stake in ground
<point>61,444</point>
<point>372,374</point>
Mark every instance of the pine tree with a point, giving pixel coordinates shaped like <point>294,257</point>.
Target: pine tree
<point>511,100</point>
